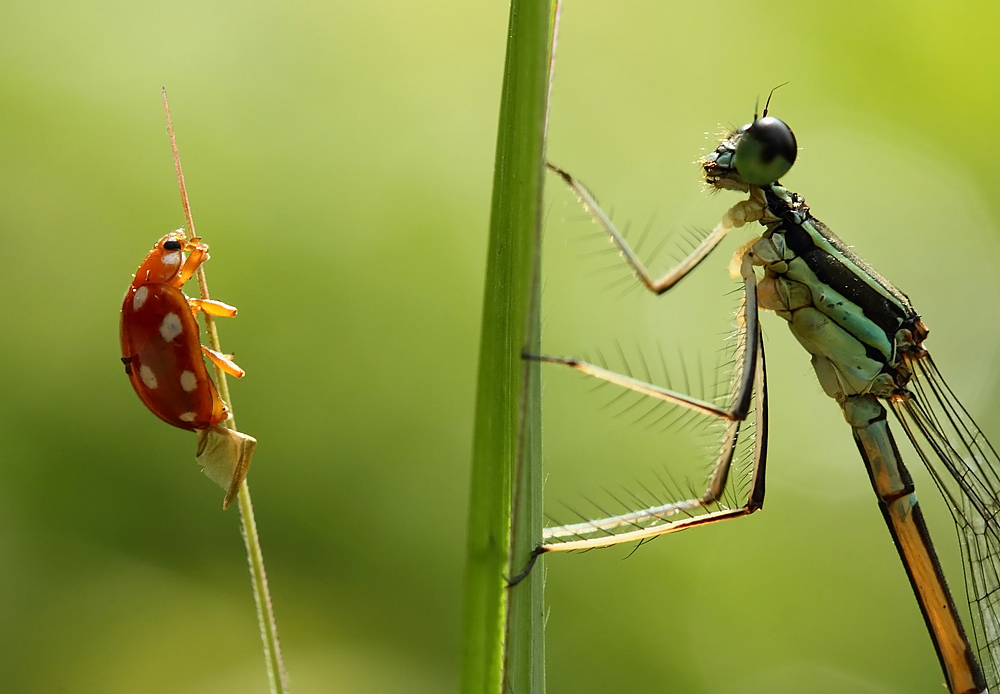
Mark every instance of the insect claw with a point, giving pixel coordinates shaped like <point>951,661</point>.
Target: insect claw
<point>535,553</point>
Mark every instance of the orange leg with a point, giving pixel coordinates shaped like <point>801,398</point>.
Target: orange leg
<point>197,254</point>
<point>224,362</point>
<point>211,307</point>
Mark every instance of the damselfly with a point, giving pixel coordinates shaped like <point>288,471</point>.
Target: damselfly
<point>866,343</point>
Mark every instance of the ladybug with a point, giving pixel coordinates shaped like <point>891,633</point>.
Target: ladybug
<point>162,354</point>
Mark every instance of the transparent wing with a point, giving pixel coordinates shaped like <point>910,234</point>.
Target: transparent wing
<point>966,469</point>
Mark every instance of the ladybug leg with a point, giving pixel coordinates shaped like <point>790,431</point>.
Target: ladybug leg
<point>211,307</point>
<point>197,254</point>
<point>224,362</point>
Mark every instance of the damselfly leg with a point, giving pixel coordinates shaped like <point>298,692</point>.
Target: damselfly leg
<point>748,385</point>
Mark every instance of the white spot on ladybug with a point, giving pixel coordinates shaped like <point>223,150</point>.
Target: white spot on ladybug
<point>188,381</point>
<point>187,416</point>
<point>171,258</point>
<point>170,327</point>
<point>140,297</point>
<point>148,377</point>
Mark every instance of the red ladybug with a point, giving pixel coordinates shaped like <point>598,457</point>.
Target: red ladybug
<point>162,353</point>
<point>161,341</point>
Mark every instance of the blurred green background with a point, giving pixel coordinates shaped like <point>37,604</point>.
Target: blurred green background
<point>339,161</point>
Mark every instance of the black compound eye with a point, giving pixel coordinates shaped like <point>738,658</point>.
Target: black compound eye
<point>171,245</point>
<point>765,152</point>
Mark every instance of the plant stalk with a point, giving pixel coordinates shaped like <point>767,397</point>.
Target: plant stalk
<point>507,421</point>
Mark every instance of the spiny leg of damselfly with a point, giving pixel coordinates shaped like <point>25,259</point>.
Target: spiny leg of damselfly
<point>742,213</point>
<point>749,379</point>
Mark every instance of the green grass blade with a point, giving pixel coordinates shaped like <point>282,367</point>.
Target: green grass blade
<point>524,652</point>
<point>500,412</point>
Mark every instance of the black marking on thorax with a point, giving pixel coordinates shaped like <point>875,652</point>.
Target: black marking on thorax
<point>829,269</point>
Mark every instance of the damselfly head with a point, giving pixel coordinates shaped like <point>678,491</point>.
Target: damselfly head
<point>757,154</point>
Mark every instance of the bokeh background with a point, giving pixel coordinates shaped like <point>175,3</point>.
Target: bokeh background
<point>339,161</point>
